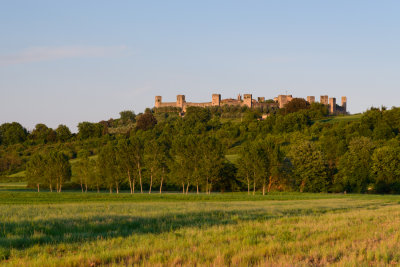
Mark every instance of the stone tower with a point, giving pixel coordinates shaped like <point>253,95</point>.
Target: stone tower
<point>180,101</point>
<point>311,99</point>
<point>157,103</point>
<point>332,105</point>
<point>239,97</point>
<point>216,100</point>
<point>324,99</point>
<point>247,100</point>
<point>283,100</point>
<point>344,103</point>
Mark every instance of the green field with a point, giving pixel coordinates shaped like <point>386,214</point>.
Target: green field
<point>74,229</point>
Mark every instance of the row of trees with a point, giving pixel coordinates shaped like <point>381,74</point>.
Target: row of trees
<point>289,151</point>
<point>198,162</point>
<point>51,170</point>
<point>185,161</point>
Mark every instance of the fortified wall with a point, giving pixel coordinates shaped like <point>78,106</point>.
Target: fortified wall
<point>216,100</point>
<point>279,102</point>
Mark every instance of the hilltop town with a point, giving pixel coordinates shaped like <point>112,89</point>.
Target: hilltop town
<point>278,102</point>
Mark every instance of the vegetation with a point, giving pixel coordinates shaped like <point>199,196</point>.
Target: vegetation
<point>291,149</point>
<point>74,229</point>
<point>285,164</point>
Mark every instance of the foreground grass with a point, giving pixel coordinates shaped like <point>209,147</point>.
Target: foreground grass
<point>222,229</point>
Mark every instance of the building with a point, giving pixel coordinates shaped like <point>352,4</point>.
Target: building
<point>279,102</point>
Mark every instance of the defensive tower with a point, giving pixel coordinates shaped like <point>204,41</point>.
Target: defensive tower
<point>248,99</point>
<point>216,100</point>
<point>311,99</point>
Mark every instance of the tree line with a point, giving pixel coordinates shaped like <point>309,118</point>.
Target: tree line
<point>294,149</point>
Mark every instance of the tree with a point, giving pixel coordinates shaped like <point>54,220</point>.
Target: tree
<point>292,122</point>
<point>138,154</point>
<point>386,168</point>
<point>309,167</point>
<point>152,161</point>
<point>146,122</point>
<point>254,164</point>
<point>58,170</point>
<point>85,169</point>
<point>183,167</point>
<point>108,166</point>
<point>251,115</point>
<point>127,161</point>
<point>164,158</point>
<point>197,114</point>
<point>260,162</point>
<point>127,116</point>
<point>273,162</point>
<point>89,130</point>
<point>12,133</point>
<point>245,168</point>
<point>95,179</point>
<point>211,160</point>
<point>296,104</point>
<point>35,169</point>
<point>354,169</point>
<point>43,134</point>
<point>63,133</point>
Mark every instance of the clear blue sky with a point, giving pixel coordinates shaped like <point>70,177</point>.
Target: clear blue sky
<point>63,62</point>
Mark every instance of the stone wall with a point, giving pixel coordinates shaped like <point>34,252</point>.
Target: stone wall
<point>248,101</point>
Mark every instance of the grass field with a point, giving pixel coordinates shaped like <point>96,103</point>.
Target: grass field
<point>74,229</point>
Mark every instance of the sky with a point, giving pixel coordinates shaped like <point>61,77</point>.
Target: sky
<point>64,62</point>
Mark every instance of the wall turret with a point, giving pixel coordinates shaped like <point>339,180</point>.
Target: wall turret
<point>216,100</point>
<point>332,105</point>
<point>344,104</point>
<point>180,101</point>
<point>248,100</point>
<point>158,101</point>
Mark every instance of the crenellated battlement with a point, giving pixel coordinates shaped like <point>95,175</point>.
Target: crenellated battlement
<point>279,102</point>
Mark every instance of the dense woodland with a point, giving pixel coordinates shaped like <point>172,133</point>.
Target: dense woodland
<point>297,148</point>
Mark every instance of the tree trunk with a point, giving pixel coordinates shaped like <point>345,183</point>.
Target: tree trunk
<point>60,187</point>
<point>263,189</point>
<point>197,186</point>
<point>254,187</point>
<point>187,188</point>
<point>151,181</point>
<point>51,187</point>
<point>38,189</point>
<point>207,186</point>
<point>140,178</point>
<point>130,182</point>
<point>162,179</point>
<point>183,188</point>
<point>98,188</point>
<point>269,183</point>
<point>248,185</point>
<point>85,188</point>
<point>117,187</point>
<point>110,190</point>
<point>81,185</point>
<point>302,185</point>
<point>133,186</point>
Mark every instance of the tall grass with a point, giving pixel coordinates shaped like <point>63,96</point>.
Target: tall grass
<point>221,229</point>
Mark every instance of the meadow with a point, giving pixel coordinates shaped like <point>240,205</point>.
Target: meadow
<point>231,229</point>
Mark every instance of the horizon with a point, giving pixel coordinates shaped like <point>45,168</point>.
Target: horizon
<point>67,62</point>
